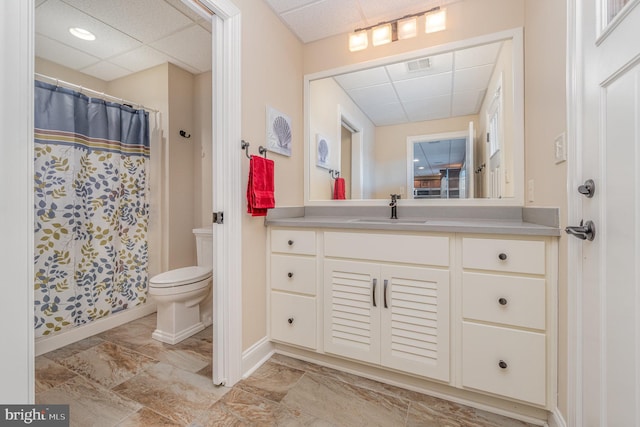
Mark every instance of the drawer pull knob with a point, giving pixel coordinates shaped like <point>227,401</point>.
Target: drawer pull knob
<point>289,275</point>
<point>502,301</point>
<point>290,320</point>
<point>290,242</point>
<point>502,364</point>
<point>502,256</point>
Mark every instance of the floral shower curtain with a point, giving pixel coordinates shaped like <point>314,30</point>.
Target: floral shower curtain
<point>91,208</point>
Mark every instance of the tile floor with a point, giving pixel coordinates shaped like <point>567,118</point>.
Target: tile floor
<point>123,377</point>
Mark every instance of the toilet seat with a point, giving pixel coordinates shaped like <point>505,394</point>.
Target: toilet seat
<point>181,277</point>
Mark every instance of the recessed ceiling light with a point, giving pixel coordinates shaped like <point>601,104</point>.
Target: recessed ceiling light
<point>421,167</point>
<point>416,160</point>
<point>81,33</point>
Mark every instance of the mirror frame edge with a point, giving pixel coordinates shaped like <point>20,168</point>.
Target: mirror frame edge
<point>514,34</point>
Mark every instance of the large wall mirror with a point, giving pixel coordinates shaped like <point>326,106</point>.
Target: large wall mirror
<point>442,125</point>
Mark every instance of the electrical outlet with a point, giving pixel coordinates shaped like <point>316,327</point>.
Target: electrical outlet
<point>530,195</point>
<point>560,148</point>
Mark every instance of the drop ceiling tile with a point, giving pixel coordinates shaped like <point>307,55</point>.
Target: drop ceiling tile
<point>438,64</point>
<point>54,18</point>
<point>322,19</point>
<point>206,24</point>
<point>106,71</point>
<point>429,108</point>
<point>364,78</point>
<point>423,87</point>
<point>191,46</point>
<point>374,95</point>
<point>478,55</point>
<point>470,79</point>
<point>144,20</point>
<point>465,103</point>
<point>39,2</point>
<point>184,9</point>
<point>62,54</point>
<point>281,6</point>
<point>140,59</point>
<point>386,114</point>
<point>379,10</point>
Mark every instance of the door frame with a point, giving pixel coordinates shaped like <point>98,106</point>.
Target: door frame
<point>16,105</point>
<point>574,212</point>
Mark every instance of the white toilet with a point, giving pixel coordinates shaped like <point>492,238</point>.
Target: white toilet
<point>183,295</point>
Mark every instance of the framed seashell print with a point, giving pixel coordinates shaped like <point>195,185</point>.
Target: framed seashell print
<point>278,132</point>
<point>323,150</point>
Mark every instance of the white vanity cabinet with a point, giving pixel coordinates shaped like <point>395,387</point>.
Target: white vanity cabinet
<point>505,327</point>
<point>474,312</point>
<point>293,280</point>
<point>382,310</point>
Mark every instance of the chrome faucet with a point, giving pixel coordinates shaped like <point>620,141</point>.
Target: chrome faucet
<point>394,206</point>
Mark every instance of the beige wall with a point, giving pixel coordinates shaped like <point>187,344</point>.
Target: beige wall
<point>545,118</point>
<point>327,101</point>
<point>203,150</point>
<point>391,151</point>
<point>52,69</point>
<point>271,75</point>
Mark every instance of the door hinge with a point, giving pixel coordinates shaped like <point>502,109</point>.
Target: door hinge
<point>218,217</point>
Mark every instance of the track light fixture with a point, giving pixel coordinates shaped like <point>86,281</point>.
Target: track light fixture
<point>406,27</point>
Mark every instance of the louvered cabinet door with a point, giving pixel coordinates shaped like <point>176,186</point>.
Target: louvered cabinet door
<point>415,320</point>
<point>352,310</point>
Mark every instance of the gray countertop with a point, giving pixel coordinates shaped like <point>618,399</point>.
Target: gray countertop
<point>507,224</point>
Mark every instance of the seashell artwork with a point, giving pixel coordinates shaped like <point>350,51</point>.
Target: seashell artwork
<point>323,151</point>
<point>279,139</point>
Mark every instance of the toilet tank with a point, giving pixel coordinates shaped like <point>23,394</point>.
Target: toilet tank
<point>204,246</point>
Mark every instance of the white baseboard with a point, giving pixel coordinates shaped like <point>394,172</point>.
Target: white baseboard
<point>256,355</point>
<point>556,419</point>
<point>47,344</point>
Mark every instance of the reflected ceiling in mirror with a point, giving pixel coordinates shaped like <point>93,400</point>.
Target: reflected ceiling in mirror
<point>429,88</point>
<point>384,103</point>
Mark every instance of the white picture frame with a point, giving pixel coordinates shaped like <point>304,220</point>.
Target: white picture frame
<point>278,132</point>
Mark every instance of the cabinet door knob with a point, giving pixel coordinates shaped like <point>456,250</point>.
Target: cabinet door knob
<point>290,242</point>
<point>289,275</point>
<point>502,256</point>
<point>502,364</point>
<point>502,301</point>
<point>290,320</point>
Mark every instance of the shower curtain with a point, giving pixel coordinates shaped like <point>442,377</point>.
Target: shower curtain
<point>91,208</point>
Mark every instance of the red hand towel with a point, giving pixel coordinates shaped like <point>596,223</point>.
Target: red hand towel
<point>260,188</point>
<point>338,189</point>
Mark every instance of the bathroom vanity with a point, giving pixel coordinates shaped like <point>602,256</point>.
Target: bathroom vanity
<point>461,307</point>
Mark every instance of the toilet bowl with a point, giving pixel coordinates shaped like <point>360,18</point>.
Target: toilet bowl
<point>183,295</point>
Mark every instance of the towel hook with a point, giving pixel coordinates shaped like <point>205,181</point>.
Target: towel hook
<point>334,173</point>
<point>184,134</point>
<point>262,151</point>
<point>245,146</point>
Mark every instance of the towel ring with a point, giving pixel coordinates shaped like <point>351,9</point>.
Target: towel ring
<point>334,173</point>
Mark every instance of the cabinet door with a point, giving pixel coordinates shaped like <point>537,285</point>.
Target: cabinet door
<point>352,310</point>
<point>415,320</point>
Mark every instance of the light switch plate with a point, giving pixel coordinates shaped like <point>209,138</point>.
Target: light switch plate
<point>560,148</point>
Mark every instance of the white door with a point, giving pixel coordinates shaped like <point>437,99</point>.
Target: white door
<point>608,270</point>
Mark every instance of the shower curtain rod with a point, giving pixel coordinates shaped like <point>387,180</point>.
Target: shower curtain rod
<point>83,89</point>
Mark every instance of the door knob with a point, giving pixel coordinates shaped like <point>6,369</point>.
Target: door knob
<point>585,231</point>
<point>588,188</point>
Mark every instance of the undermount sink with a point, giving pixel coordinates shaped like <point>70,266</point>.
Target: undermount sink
<point>390,221</point>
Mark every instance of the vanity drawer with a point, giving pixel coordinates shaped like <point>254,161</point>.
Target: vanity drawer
<point>293,274</point>
<point>505,362</point>
<point>293,319</point>
<point>517,256</point>
<point>426,250</point>
<point>510,300</point>
<point>301,242</point>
